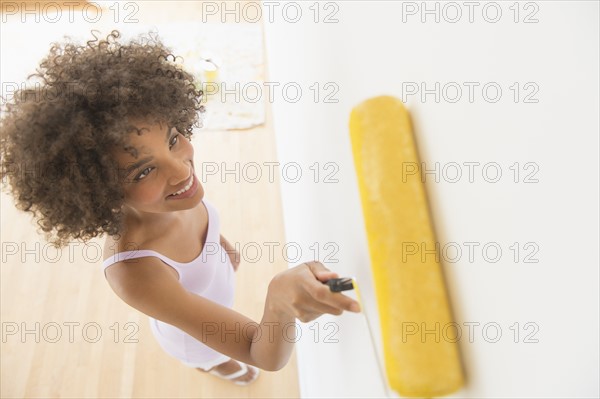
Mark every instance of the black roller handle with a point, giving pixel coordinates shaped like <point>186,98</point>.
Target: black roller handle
<point>339,284</point>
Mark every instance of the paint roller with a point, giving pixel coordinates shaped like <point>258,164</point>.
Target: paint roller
<point>410,290</point>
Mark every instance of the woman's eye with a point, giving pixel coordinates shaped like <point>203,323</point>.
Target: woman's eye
<point>143,174</point>
<point>174,140</point>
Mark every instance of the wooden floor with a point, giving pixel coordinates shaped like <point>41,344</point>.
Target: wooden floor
<point>66,334</point>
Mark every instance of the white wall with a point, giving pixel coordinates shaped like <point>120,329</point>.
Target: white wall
<point>371,51</point>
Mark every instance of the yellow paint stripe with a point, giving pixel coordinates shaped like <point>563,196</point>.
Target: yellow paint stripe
<point>410,291</point>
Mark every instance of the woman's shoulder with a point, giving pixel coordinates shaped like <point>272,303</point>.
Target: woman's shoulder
<point>132,238</point>
<point>119,272</point>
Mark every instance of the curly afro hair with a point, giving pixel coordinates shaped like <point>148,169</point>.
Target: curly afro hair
<point>56,138</point>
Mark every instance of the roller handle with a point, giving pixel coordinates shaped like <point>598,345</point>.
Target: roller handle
<point>339,284</point>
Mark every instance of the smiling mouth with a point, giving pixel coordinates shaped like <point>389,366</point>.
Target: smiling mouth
<point>186,188</point>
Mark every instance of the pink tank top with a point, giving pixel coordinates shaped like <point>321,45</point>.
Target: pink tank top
<point>210,275</point>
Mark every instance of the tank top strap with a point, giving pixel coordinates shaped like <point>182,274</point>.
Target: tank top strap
<point>127,255</point>
<point>213,218</point>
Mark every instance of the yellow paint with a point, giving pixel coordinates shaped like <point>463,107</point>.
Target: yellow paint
<point>421,357</point>
<point>210,76</point>
<point>355,288</point>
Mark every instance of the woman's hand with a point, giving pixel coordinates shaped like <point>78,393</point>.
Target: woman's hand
<point>299,292</point>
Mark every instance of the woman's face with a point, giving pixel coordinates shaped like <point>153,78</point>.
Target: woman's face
<point>164,166</point>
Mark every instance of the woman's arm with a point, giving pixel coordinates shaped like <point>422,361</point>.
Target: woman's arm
<point>234,255</point>
<point>298,292</point>
<point>295,293</point>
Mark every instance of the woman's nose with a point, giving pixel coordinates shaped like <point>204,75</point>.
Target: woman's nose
<point>180,173</point>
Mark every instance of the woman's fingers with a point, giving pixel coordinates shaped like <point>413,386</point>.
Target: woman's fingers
<point>319,308</point>
<point>313,309</point>
<point>300,292</point>
<point>335,299</point>
<point>321,272</point>
<point>321,292</point>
